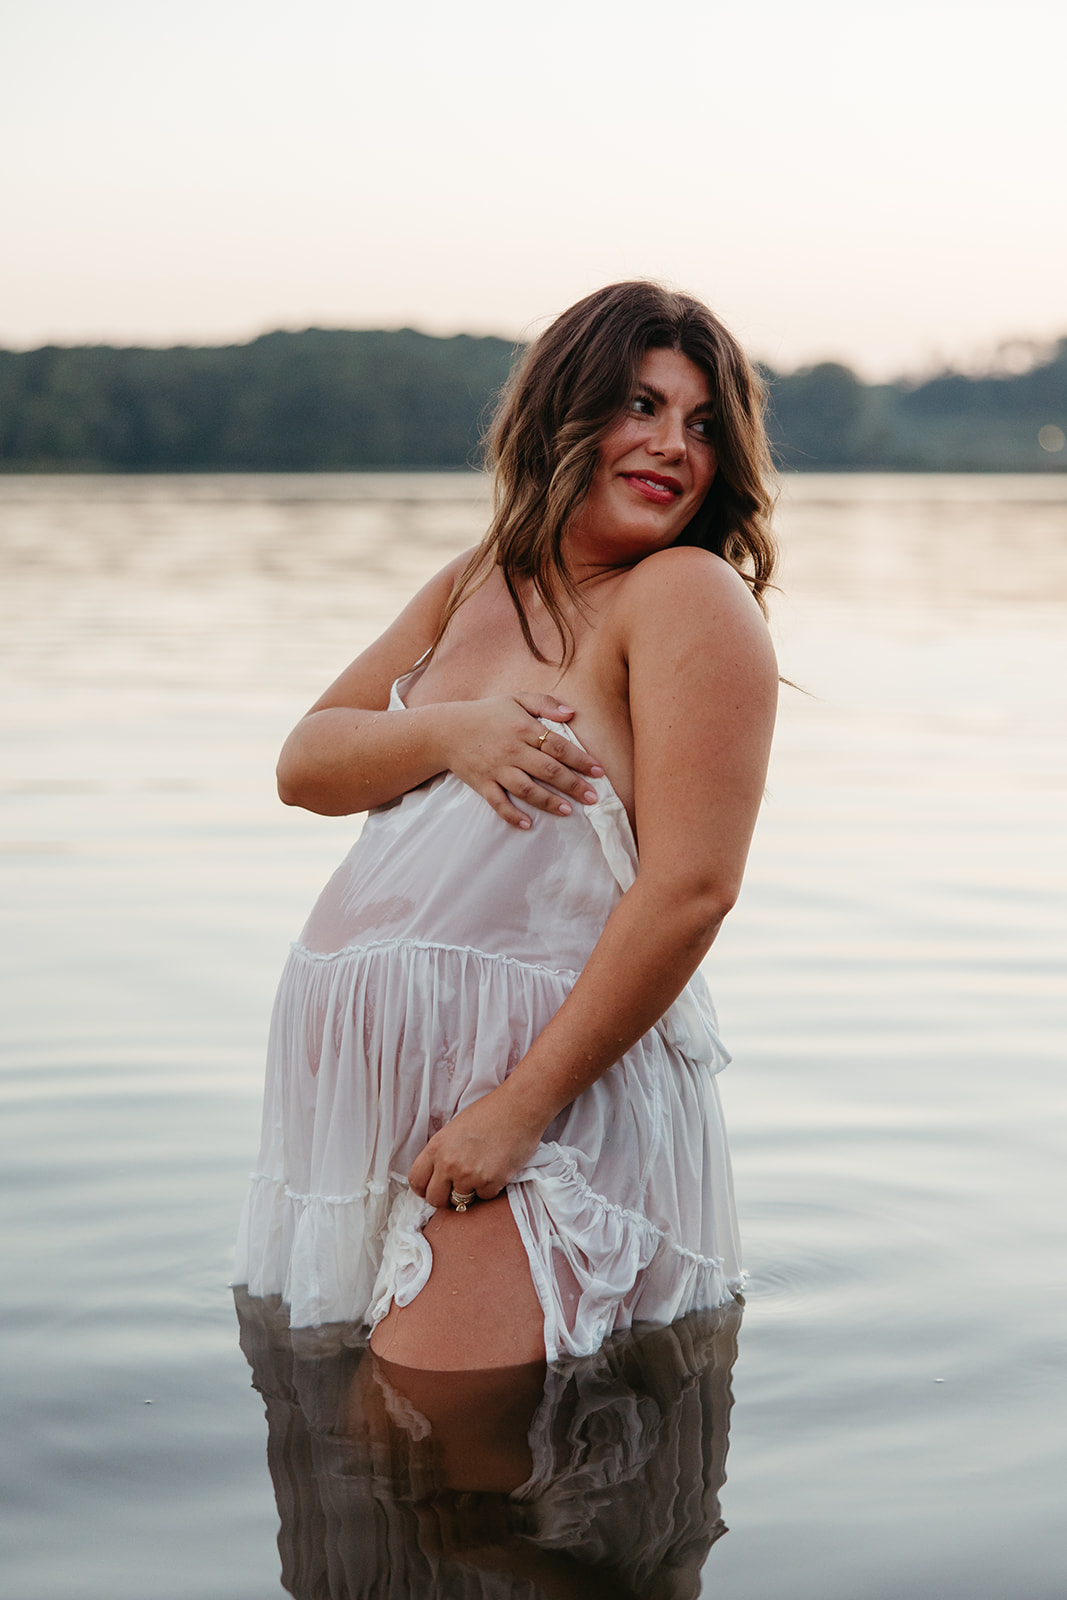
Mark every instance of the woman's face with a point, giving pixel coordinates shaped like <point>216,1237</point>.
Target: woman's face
<point>656,465</point>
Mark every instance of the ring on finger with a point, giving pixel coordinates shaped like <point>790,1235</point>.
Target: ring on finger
<point>541,740</point>
<point>462,1201</point>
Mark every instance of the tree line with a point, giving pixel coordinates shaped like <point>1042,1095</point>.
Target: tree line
<point>343,400</point>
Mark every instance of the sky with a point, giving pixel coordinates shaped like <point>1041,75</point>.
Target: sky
<point>876,183</point>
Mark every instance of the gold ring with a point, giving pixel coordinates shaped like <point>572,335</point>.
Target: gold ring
<point>544,736</point>
<point>462,1201</point>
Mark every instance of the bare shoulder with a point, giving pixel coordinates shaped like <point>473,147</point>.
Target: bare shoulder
<point>685,600</point>
<point>444,582</point>
<point>684,569</point>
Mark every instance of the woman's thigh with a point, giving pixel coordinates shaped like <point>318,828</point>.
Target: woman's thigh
<point>478,1308</point>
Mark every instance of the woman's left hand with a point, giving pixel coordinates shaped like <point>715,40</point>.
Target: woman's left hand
<point>478,1152</point>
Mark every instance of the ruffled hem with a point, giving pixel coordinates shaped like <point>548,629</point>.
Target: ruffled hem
<point>320,1253</point>
<point>347,1258</point>
<point>690,1024</point>
<point>373,1049</point>
<point>404,944</point>
<point>620,1267</point>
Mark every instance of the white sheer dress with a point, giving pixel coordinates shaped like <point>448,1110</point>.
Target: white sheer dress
<point>435,955</point>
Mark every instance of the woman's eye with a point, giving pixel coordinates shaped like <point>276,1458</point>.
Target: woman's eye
<point>702,426</point>
<point>642,404</point>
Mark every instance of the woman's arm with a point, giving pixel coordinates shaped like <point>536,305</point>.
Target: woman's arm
<point>350,752</point>
<point>703,689</point>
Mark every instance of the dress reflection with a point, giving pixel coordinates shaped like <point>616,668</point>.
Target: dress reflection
<point>593,1477</point>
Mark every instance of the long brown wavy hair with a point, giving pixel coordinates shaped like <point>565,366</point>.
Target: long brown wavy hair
<point>564,394</point>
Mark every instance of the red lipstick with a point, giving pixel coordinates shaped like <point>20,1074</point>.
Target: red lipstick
<point>654,486</point>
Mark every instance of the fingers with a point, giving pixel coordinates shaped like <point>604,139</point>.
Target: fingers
<point>545,767</point>
<point>566,766</point>
<point>544,705</point>
<point>511,757</point>
<point>556,760</point>
<point>477,1153</point>
<point>421,1172</point>
<point>438,1190</point>
<point>505,807</point>
<point>521,786</point>
<point>429,1179</point>
<point>434,1174</point>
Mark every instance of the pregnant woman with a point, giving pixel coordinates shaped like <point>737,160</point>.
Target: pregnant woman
<point>491,1131</point>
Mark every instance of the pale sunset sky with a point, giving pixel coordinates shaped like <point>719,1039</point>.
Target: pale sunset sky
<point>879,183</point>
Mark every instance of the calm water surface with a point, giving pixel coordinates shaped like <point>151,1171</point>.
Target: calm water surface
<point>891,987</point>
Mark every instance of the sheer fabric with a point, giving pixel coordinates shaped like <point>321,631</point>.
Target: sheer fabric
<point>437,952</point>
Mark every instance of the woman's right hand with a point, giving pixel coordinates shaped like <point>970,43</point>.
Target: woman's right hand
<point>495,746</point>
<point>350,752</point>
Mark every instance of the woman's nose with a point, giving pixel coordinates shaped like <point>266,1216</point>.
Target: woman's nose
<point>670,437</point>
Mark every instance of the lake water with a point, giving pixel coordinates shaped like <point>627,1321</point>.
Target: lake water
<point>891,986</point>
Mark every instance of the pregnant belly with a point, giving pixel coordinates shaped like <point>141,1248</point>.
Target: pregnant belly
<point>440,867</point>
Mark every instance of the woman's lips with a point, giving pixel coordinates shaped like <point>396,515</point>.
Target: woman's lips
<point>654,486</point>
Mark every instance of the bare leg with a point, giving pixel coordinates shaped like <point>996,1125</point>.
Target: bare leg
<point>478,1309</point>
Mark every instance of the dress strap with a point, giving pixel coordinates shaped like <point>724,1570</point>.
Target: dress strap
<point>396,702</point>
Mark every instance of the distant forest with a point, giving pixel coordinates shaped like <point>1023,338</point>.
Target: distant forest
<point>343,400</point>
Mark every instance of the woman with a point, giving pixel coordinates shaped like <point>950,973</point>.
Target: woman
<point>490,1054</point>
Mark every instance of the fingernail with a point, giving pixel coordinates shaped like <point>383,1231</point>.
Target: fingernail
<point>525,823</point>
<point>564,809</point>
<point>596,772</point>
<point>568,711</point>
<point>589,796</point>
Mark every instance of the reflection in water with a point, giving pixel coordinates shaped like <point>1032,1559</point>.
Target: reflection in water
<point>599,1477</point>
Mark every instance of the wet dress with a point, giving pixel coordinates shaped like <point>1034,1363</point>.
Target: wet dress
<point>436,954</point>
